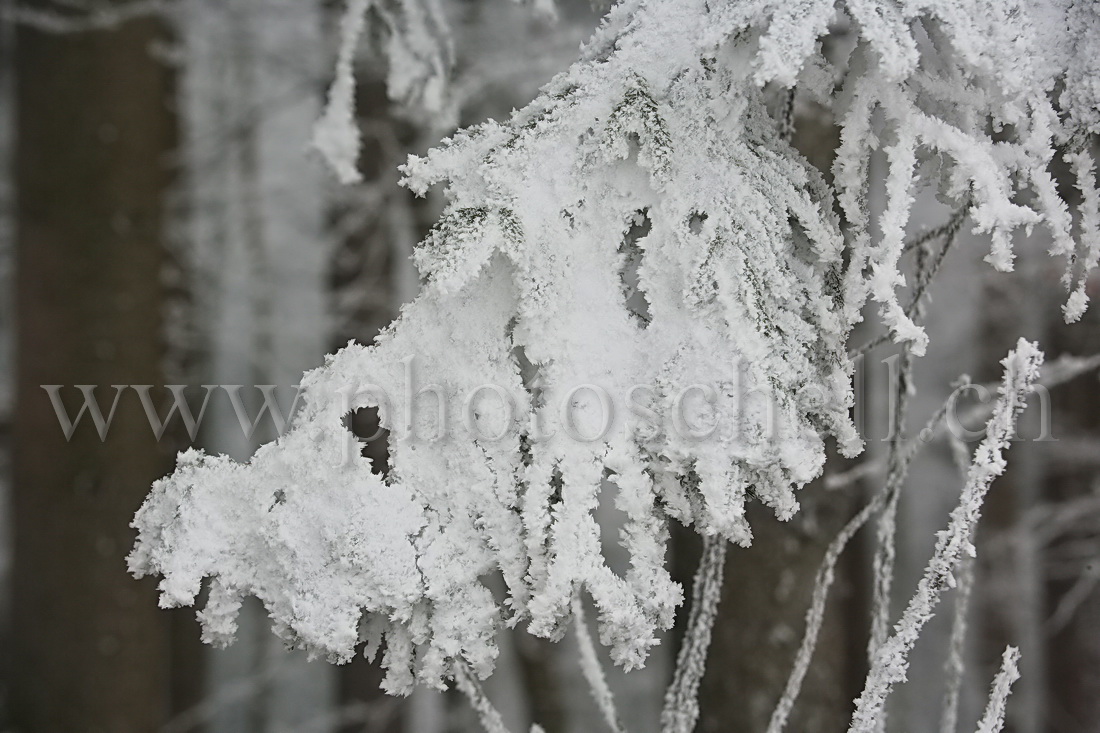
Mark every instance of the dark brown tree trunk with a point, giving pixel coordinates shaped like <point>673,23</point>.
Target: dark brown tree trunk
<point>94,130</point>
<point>761,620</point>
<point>1072,595</point>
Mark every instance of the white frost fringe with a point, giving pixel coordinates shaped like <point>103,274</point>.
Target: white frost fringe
<point>336,136</point>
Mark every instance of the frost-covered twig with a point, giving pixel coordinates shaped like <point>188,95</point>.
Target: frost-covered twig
<point>947,229</point>
<point>786,115</point>
<point>956,653</point>
<point>899,459</point>
<point>227,694</point>
<point>593,670</point>
<point>896,473</point>
<point>1084,170</point>
<point>1072,599</point>
<point>487,714</point>
<point>681,709</point>
<point>994,718</point>
<point>336,134</point>
<point>891,659</point>
<point>816,614</point>
<point>957,647</point>
<point>419,49</point>
<point>926,273</point>
<point>1055,373</point>
<point>956,656</point>
<point>823,581</point>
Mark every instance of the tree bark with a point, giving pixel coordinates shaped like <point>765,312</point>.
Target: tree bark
<point>94,127</point>
<point>761,619</point>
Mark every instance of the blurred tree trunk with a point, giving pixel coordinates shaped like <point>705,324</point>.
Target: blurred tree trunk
<point>1071,566</point>
<point>761,620</point>
<point>94,131</point>
<point>1009,583</point>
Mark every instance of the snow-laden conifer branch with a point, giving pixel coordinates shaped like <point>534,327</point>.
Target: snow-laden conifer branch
<point>891,658</point>
<point>642,227</point>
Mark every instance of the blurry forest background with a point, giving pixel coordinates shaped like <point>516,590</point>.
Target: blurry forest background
<point>162,221</point>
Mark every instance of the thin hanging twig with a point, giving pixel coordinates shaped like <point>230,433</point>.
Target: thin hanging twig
<point>593,670</point>
<point>786,118</point>
<point>488,715</point>
<point>681,710</point>
<point>897,471</point>
<point>816,614</point>
<point>949,719</point>
<point>824,581</point>
<point>890,662</point>
<point>896,474</point>
<point>949,230</point>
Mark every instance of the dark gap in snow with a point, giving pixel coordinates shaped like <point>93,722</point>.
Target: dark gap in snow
<point>612,520</point>
<point>632,254</point>
<point>366,426</point>
<point>557,483</point>
<point>803,248</point>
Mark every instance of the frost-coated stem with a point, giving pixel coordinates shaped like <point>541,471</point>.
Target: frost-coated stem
<point>898,461</point>
<point>994,718</point>
<point>956,656</point>
<point>949,228</point>
<point>682,697</point>
<point>593,671</point>
<point>891,660</point>
<point>815,616</point>
<point>927,268</point>
<point>824,581</point>
<point>949,721</point>
<point>336,136</point>
<point>897,470</point>
<point>487,714</point>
